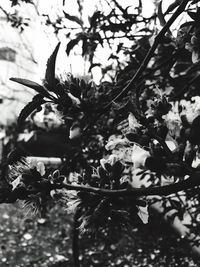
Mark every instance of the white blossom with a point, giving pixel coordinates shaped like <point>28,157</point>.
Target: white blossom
<point>139,156</point>
<point>143,214</point>
<point>133,122</point>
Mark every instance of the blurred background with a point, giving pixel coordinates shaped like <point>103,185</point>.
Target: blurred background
<point>95,46</point>
<point>29,33</point>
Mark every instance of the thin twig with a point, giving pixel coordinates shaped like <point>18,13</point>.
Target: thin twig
<point>149,55</point>
<point>130,85</point>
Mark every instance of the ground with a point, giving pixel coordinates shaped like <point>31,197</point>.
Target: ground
<point>47,243</point>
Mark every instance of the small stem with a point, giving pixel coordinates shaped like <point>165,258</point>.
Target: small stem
<point>75,239</point>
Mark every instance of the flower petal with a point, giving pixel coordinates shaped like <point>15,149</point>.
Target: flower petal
<point>41,168</point>
<point>139,156</point>
<point>133,123</point>
<point>16,182</point>
<point>195,56</point>
<point>143,214</point>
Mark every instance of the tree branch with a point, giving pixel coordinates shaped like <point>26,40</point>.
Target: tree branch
<point>149,55</point>
<point>145,62</point>
<point>189,183</point>
<point>194,180</point>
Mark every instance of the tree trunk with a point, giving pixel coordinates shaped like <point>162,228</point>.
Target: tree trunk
<point>75,239</point>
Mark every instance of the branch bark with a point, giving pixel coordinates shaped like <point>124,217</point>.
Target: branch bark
<point>166,190</point>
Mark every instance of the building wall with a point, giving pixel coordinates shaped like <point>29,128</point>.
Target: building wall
<point>19,62</point>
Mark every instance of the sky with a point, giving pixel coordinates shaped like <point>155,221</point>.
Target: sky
<point>74,62</point>
<point>43,40</point>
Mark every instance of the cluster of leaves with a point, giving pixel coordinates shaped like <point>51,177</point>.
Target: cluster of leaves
<point>79,103</point>
<point>102,30</point>
<point>105,28</point>
<point>103,212</point>
<point>16,20</point>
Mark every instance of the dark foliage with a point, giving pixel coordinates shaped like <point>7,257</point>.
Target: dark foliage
<point>148,111</point>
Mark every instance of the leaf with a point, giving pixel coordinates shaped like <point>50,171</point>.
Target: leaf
<point>176,204</point>
<point>16,182</point>
<point>93,66</point>
<point>40,168</point>
<point>193,15</point>
<point>97,36</point>
<point>33,85</point>
<point>75,90</point>
<point>160,14</point>
<point>133,122</point>
<point>186,24</point>
<point>135,107</point>
<point>73,18</point>
<point>139,156</point>
<point>143,214</point>
<point>14,156</point>
<point>119,47</point>
<point>71,45</point>
<point>27,110</point>
<point>50,70</point>
<point>93,20</point>
<point>195,57</point>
